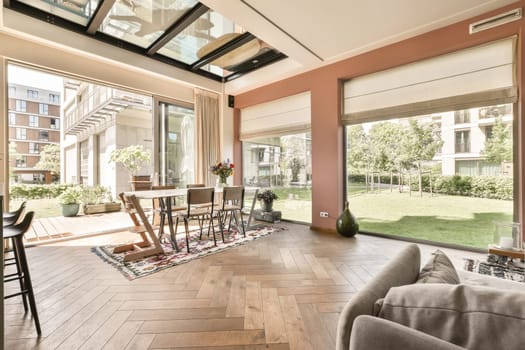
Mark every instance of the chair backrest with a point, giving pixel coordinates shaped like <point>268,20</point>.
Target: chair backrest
<point>233,195</point>
<point>16,215</point>
<point>195,185</point>
<point>23,225</point>
<point>164,187</point>
<point>201,196</point>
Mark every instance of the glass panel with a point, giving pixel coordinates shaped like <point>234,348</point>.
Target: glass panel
<point>78,11</point>
<point>191,44</point>
<point>399,183</point>
<point>177,143</point>
<point>142,22</point>
<point>284,165</point>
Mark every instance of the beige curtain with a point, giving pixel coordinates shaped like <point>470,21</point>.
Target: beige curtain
<point>208,130</point>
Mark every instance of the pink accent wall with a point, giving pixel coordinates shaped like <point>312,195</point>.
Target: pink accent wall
<point>325,86</point>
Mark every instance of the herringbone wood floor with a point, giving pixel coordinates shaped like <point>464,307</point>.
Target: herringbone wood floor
<point>284,291</point>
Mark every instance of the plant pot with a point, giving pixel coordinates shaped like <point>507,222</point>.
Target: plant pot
<point>101,208</point>
<point>70,209</point>
<point>140,183</point>
<point>266,206</point>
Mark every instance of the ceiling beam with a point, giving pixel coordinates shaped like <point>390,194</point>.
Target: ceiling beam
<point>224,49</point>
<point>101,12</point>
<point>182,23</point>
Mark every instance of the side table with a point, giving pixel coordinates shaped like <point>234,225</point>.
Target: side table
<point>508,252</point>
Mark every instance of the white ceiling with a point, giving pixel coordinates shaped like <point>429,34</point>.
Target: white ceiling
<point>313,33</point>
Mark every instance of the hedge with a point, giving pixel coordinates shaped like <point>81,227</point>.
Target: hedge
<point>25,191</point>
<point>492,187</point>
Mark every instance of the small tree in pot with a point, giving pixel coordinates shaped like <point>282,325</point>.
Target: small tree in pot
<point>267,197</point>
<point>70,201</point>
<point>133,158</point>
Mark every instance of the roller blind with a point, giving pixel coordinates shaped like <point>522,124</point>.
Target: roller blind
<point>479,76</point>
<point>286,115</point>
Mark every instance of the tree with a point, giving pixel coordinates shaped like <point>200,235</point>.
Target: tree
<point>50,159</point>
<point>358,148</point>
<point>419,145</point>
<point>295,166</point>
<point>385,139</point>
<point>498,147</point>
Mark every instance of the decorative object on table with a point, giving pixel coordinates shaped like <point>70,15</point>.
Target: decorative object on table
<point>70,201</point>
<point>97,199</point>
<point>223,170</point>
<point>133,158</point>
<point>198,248</point>
<point>346,224</point>
<point>497,266</point>
<point>507,235</point>
<point>266,199</point>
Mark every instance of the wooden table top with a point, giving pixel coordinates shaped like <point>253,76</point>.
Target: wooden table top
<point>511,253</point>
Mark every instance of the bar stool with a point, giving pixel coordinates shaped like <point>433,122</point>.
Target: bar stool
<point>16,234</point>
<point>11,218</point>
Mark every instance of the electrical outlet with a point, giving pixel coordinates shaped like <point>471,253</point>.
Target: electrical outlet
<point>323,214</point>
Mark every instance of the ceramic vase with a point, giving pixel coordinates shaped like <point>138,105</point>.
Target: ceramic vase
<point>346,223</point>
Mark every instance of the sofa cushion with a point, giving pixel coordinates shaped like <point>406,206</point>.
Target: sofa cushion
<point>473,317</point>
<point>439,269</point>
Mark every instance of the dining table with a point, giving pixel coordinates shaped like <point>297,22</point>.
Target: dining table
<point>166,198</point>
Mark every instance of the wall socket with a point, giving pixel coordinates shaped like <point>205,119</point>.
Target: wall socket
<point>323,214</point>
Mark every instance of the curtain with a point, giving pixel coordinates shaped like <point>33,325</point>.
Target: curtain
<point>208,134</point>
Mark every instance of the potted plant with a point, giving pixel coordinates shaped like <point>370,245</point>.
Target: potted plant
<point>133,158</point>
<point>70,201</point>
<point>266,198</point>
<point>98,199</point>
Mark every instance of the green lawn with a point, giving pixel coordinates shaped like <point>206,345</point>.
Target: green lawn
<point>451,219</point>
<point>43,208</point>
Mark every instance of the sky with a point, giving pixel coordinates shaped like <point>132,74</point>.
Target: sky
<point>30,77</point>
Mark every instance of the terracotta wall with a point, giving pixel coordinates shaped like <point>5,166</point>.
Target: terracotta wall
<point>325,86</point>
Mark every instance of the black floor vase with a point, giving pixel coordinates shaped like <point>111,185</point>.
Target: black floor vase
<point>346,223</point>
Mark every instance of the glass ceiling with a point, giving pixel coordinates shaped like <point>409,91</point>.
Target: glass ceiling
<point>182,32</point>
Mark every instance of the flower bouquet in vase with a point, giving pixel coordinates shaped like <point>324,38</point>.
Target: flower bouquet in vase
<point>223,170</point>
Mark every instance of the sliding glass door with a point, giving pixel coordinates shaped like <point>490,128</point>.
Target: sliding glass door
<point>176,144</point>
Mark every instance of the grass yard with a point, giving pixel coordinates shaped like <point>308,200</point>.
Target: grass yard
<point>43,208</point>
<point>452,219</point>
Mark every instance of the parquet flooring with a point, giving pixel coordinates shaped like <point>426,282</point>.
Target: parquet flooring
<point>284,291</point>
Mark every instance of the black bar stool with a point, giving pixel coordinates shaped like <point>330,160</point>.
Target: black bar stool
<point>11,218</point>
<point>19,260</point>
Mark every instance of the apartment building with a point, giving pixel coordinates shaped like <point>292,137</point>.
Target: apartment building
<point>34,122</point>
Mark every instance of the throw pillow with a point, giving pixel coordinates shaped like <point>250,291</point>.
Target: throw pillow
<point>439,269</point>
<point>474,317</point>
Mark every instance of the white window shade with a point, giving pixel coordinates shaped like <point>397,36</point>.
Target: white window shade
<point>279,117</point>
<point>483,75</point>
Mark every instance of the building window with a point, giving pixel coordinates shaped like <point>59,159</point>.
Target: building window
<point>462,141</point>
<point>34,148</point>
<point>21,106</point>
<point>43,108</point>
<point>43,135</point>
<point>33,121</point>
<point>54,98</point>
<point>21,161</point>
<point>488,131</point>
<point>54,123</point>
<point>12,91</point>
<point>12,118</point>
<point>462,117</point>
<point>33,94</point>
<point>20,133</point>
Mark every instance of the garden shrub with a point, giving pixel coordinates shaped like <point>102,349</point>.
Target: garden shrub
<point>29,191</point>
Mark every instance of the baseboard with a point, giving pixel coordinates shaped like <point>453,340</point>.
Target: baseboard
<point>323,229</point>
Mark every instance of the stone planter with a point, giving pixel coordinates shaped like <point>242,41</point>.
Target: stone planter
<point>70,209</point>
<point>101,208</point>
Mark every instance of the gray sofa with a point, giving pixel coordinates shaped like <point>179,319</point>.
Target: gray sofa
<point>360,328</point>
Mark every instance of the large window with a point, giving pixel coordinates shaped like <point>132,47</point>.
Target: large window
<point>33,94</point>
<point>34,148</point>
<point>12,118</point>
<point>399,183</point>
<point>20,133</point>
<point>54,123</point>
<point>43,135</point>
<point>43,108</point>
<point>282,163</point>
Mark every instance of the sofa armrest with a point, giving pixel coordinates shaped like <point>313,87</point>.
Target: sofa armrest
<point>402,269</point>
<point>373,333</point>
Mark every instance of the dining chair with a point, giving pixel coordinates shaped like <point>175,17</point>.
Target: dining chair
<point>12,217</point>
<point>232,204</point>
<point>200,207</point>
<point>16,233</point>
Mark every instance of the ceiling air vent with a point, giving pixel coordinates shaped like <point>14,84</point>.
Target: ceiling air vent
<point>495,21</point>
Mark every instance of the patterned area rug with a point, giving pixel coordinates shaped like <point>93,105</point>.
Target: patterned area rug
<point>198,248</point>
<point>497,267</point>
